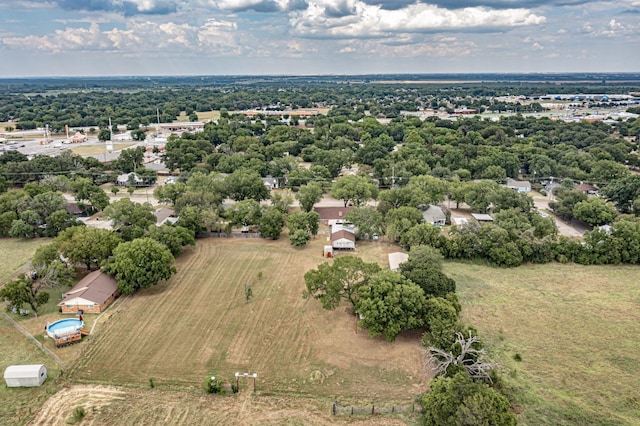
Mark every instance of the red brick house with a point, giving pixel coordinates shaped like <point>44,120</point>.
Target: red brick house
<point>92,294</point>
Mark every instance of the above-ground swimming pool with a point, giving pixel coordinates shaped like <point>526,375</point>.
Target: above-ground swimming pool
<point>64,326</point>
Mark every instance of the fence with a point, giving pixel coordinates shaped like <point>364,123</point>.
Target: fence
<point>338,409</point>
<point>231,235</point>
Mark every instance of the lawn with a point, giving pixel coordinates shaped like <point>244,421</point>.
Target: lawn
<point>575,329</point>
<point>198,323</point>
<point>16,255</point>
<point>18,404</point>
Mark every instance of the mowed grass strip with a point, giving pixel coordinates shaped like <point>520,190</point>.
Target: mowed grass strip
<point>199,322</point>
<point>575,329</point>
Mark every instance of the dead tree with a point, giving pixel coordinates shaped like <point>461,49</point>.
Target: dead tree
<point>469,358</point>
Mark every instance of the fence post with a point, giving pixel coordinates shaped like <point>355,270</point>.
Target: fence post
<point>373,409</point>
<point>334,409</point>
<point>352,410</point>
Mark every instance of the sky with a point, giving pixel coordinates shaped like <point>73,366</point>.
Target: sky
<point>313,37</point>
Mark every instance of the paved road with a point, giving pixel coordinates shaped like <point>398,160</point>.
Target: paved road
<point>564,228</point>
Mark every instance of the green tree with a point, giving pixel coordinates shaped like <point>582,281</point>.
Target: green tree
<point>623,192</point>
<point>21,229</point>
<point>367,220</point>
<point>282,200</point>
<point>308,195</point>
<point>104,135</point>
<point>356,188</point>
<point>59,221</point>
<point>244,184</point>
<point>89,246</point>
<point>24,290</point>
<point>173,237</point>
<point>342,279</point>
<point>595,211</point>
<point>424,268</point>
<point>130,218</point>
<point>390,304</point>
<point>401,220</point>
<point>139,264</point>
<point>459,401</point>
<point>271,223</point>
<point>425,190</point>
<point>245,213</point>
<point>129,160</point>
<point>420,234</point>
<point>299,238</point>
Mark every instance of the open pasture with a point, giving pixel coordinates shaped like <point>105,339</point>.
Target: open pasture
<point>16,256</point>
<point>199,322</point>
<point>575,329</point>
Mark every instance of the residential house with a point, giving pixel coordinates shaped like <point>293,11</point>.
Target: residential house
<point>435,216</point>
<point>165,215</point>
<point>270,182</point>
<point>587,189</point>
<point>343,239</point>
<point>129,179</point>
<point>92,294</point>
<point>482,217</point>
<point>519,185</point>
<point>331,213</point>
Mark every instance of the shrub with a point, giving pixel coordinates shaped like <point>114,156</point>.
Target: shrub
<point>212,385</point>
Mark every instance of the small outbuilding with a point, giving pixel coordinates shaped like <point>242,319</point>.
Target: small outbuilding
<point>397,258</point>
<point>31,375</point>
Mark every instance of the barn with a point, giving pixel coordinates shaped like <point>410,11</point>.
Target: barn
<point>25,375</point>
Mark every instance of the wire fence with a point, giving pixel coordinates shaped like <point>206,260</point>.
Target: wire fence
<point>231,235</point>
<point>338,409</point>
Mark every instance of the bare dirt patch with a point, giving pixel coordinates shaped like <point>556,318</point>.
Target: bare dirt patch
<point>106,405</point>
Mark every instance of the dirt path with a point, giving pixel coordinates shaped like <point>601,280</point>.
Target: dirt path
<point>107,405</point>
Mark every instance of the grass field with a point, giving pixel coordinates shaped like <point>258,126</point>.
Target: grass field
<point>99,149</point>
<point>199,323</point>
<point>18,404</point>
<point>16,255</point>
<point>576,330</point>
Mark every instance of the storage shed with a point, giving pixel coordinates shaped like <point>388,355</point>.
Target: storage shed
<point>25,375</point>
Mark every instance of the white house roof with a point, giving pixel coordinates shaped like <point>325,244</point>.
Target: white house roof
<point>22,371</point>
<point>396,258</point>
<point>459,220</point>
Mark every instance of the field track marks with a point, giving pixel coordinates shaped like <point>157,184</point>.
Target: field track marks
<point>60,406</point>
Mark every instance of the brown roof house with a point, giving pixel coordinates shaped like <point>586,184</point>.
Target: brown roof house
<point>331,213</point>
<point>92,294</point>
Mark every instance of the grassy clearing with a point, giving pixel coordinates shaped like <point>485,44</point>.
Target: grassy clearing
<point>18,404</point>
<point>99,149</point>
<point>16,255</point>
<point>576,330</point>
<point>199,323</point>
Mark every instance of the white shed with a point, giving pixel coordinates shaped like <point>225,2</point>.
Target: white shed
<point>25,375</point>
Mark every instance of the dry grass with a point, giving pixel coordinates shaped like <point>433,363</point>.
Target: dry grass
<point>16,256</point>
<point>18,404</point>
<point>198,323</point>
<point>576,330</point>
<point>99,149</point>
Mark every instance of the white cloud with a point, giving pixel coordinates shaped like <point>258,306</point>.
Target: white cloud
<point>373,21</point>
<point>537,46</point>
<point>215,36</point>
